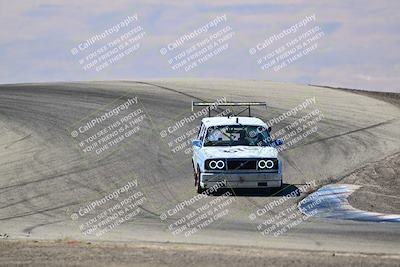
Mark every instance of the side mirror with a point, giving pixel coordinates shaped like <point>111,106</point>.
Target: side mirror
<point>269,129</point>
<point>278,142</point>
<point>196,143</point>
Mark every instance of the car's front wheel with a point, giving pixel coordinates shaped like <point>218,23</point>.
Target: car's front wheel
<point>199,188</point>
<point>195,175</point>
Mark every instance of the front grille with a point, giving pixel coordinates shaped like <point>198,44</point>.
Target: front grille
<point>243,164</point>
<point>249,164</point>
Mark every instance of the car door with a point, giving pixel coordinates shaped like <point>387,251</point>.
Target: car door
<point>196,151</point>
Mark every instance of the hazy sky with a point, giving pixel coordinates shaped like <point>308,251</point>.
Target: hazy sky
<point>360,46</point>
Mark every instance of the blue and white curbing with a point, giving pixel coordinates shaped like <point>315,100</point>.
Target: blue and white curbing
<point>330,201</point>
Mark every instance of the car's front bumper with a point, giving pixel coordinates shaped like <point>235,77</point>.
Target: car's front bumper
<point>241,179</point>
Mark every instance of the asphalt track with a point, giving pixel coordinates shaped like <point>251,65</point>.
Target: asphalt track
<point>45,177</point>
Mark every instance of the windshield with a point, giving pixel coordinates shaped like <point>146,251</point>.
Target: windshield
<point>237,135</point>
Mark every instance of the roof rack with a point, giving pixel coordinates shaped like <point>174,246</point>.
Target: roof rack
<point>229,104</point>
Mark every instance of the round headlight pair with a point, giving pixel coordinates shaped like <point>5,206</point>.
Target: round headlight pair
<point>216,164</point>
<point>262,164</point>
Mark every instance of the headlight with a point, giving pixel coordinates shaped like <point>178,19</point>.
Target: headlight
<point>220,164</point>
<point>215,164</point>
<point>212,164</point>
<point>267,164</point>
<point>261,164</point>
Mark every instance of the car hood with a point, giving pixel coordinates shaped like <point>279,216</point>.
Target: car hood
<point>240,152</point>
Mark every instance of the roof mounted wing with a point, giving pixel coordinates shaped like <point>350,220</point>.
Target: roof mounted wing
<point>248,105</point>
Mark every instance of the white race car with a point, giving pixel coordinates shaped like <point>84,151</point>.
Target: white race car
<point>236,152</point>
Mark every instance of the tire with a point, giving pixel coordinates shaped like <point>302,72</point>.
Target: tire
<point>199,188</point>
<point>195,175</point>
